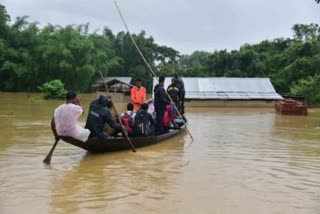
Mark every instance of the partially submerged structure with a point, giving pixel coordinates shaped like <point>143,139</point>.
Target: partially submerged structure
<point>228,92</point>
<point>289,106</point>
<point>118,86</point>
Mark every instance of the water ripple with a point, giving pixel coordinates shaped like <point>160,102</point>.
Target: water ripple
<point>241,161</point>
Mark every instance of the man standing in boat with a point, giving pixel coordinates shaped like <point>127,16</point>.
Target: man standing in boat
<point>160,104</point>
<point>173,91</point>
<point>182,92</point>
<point>65,120</point>
<point>138,95</point>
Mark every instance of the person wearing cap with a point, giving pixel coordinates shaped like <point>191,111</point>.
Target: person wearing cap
<point>65,119</point>
<point>173,91</point>
<point>138,95</point>
<point>98,116</point>
<point>160,104</point>
<point>182,94</point>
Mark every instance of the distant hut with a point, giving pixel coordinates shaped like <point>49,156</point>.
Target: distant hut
<point>119,87</point>
<point>228,92</point>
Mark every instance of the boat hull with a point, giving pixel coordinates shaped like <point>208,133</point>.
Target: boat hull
<point>96,145</point>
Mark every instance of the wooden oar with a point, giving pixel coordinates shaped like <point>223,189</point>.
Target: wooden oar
<point>148,65</point>
<point>47,160</point>
<point>119,119</point>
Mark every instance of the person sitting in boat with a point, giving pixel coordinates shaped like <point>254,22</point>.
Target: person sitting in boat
<point>65,120</point>
<point>127,119</point>
<point>180,121</point>
<point>173,91</point>
<point>98,116</point>
<point>144,124</point>
<point>129,111</point>
<point>151,111</point>
<point>169,119</point>
<point>160,103</point>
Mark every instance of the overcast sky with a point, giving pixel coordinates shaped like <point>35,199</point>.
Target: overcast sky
<point>185,25</point>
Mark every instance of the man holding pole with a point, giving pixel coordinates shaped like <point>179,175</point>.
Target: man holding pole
<point>160,104</point>
<point>182,92</point>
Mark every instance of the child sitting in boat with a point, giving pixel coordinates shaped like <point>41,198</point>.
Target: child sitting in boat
<point>151,110</point>
<point>169,118</point>
<point>144,123</point>
<point>127,119</point>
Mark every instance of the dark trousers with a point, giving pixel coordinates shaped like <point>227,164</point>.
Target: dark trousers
<point>159,120</point>
<point>182,103</point>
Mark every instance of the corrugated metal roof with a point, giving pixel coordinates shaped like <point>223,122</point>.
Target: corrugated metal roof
<point>125,80</point>
<point>227,88</point>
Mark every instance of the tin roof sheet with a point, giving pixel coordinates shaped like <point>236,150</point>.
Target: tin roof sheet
<point>227,88</point>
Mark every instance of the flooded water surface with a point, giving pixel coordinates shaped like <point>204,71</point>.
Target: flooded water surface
<point>241,161</point>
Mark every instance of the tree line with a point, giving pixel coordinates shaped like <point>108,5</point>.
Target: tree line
<point>31,56</point>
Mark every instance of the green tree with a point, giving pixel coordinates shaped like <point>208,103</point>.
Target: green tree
<point>30,56</point>
<point>18,56</point>
<point>4,19</point>
<point>309,88</point>
<point>306,32</point>
<point>53,90</point>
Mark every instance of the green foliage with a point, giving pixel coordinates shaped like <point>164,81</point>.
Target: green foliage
<point>30,55</point>
<point>4,18</point>
<point>53,90</point>
<point>306,32</point>
<point>309,88</point>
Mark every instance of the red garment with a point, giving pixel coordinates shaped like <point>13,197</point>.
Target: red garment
<point>128,123</point>
<point>138,96</point>
<point>168,117</point>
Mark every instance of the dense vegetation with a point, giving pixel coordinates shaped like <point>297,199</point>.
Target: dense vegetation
<point>31,56</point>
<point>53,90</point>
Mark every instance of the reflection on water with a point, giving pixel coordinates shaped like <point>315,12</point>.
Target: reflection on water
<point>242,161</point>
<point>116,178</point>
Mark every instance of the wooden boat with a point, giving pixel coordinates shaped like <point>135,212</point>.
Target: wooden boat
<point>95,145</point>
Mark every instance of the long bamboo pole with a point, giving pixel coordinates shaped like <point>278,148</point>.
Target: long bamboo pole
<point>148,65</point>
<point>117,115</point>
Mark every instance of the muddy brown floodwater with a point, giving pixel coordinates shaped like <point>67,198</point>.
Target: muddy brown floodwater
<point>241,161</point>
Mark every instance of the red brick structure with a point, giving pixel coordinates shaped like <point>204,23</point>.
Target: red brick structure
<point>291,107</point>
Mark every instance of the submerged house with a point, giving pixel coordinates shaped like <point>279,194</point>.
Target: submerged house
<point>119,87</point>
<point>227,91</point>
